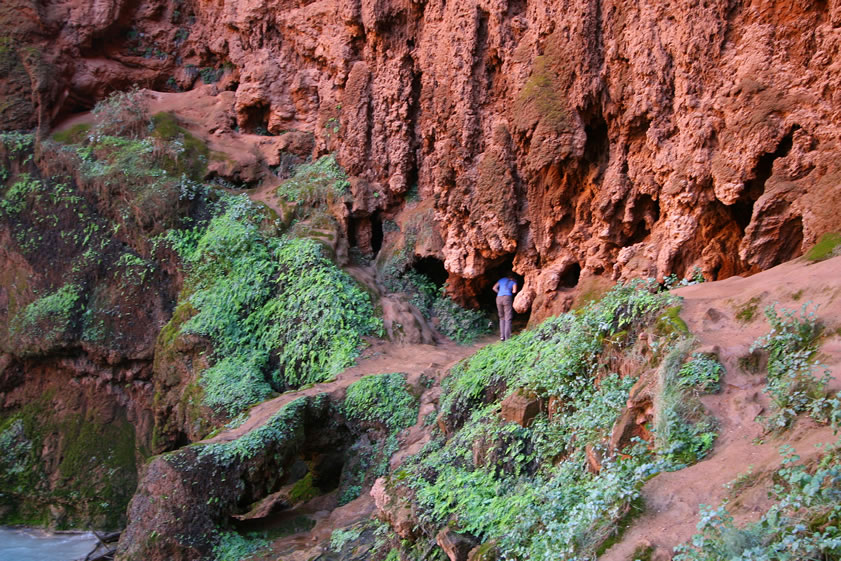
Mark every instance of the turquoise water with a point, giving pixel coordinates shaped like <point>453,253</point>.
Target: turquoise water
<point>37,545</point>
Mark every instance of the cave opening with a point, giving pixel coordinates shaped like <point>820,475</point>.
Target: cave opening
<point>486,297</point>
<point>377,233</point>
<point>597,146</point>
<point>570,276</point>
<point>433,269</point>
<point>256,119</point>
<point>647,213</point>
<point>742,210</point>
<point>365,233</point>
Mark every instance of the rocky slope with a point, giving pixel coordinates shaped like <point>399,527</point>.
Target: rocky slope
<point>578,144</point>
<point>607,139</point>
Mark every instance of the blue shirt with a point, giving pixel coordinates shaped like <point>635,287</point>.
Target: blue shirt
<point>506,287</point>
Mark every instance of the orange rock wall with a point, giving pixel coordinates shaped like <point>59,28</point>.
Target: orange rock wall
<point>624,138</point>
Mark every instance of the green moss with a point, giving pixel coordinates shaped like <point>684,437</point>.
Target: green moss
<point>96,473</point>
<point>183,312</point>
<point>73,135</point>
<point>303,490</point>
<point>826,247</point>
<point>671,322</point>
<point>747,311</point>
<point>540,99</point>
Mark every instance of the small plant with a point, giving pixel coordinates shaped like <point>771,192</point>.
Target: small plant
<point>803,523</point>
<point>233,546</point>
<point>122,114</point>
<point>747,311</point>
<point>210,75</point>
<point>792,384</point>
<point>382,398</point>
<point>684,431</point>
<point>315,184</point>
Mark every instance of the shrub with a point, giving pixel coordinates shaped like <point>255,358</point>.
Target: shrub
<point>792,384</point>
<point>315,184</point>
<point>122,114</point>
<point>268,301</point>
<point>382,398</point>
<point>803,522</point>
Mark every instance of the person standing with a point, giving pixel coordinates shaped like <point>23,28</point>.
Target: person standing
<point>505,289</point>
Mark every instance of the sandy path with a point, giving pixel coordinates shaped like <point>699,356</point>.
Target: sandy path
<point>672,499</point>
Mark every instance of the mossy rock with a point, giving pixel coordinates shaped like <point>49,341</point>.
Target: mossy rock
<point>671,323</point>
<point>76,134</point>
<point>827,246</point>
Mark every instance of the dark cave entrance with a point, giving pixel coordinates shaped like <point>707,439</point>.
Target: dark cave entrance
<point>729,223</point>
<point>570,276</point>
<point>487,297</point>
<point>256,119</point>
<point>742,210</point>
<point>433,269</point>
<point>365,233</point>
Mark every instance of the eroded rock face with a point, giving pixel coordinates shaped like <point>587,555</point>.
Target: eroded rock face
<point>205,484</point>
<point>587,139</point>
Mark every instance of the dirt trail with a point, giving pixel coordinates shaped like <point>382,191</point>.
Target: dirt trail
<point>710,310</point>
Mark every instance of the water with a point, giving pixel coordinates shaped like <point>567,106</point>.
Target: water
<point>25,544</point>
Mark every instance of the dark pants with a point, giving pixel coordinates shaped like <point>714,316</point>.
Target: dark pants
<point>505,307</point>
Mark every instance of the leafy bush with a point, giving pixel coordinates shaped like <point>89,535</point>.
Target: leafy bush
<point>803,523</point>
<point>684,431</point>
<point>382,398</point>
<point>315,184</point>
<point>792,384</point>
<point>233,546</point>
<point>265,301</point>
<point>122,114</point>
<point>528,488</point>
<point>702,373</point>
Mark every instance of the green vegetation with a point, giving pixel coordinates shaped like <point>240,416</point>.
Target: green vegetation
<point>528,488</point>
<point>826,247</point>
<point>233,546</point>
<point>684,430</point>
<point>282,427</point>
<point>803,523</point>
<point>267,301</point>
<point>96,475</point>
<point>382,398</point>
<point>122,114</point>
<point>315,184</point>
<point>540,97</point>
<point>747,311</point>
<point>792,384</point>
<point>46,322</point>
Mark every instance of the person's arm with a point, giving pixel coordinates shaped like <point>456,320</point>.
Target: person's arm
<point>514,288</point>
<point>496,286</point>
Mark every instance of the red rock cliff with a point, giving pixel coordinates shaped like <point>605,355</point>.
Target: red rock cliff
<point>572,139</point>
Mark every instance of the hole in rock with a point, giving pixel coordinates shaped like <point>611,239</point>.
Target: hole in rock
<point>570,276</point>
<point>376,233</point>
<point>487,297</point>
<point>366,233</point>
<point>646,214</point>
<point>256,119</point>
<point>742,209</point>
<point>433,269</point>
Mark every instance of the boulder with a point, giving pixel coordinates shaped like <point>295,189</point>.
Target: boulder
<point>521,408</point>
<point>456,546</point>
